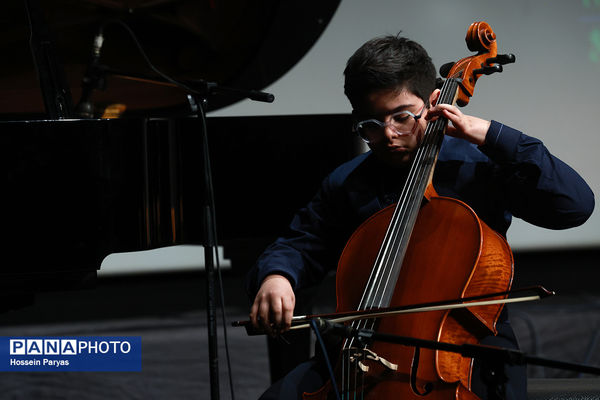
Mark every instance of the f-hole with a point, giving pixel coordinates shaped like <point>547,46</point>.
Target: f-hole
<point>413,375</point>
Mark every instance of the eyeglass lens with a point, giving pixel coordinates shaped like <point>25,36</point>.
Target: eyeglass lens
<point>402,123</point>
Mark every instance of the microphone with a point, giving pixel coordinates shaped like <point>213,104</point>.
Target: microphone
<point>327,327</point>
<point>92,79</point>
<point>97,46</point>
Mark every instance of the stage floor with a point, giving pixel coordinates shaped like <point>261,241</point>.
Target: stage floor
<point>170,316</point>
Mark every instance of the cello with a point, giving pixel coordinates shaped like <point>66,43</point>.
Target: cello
<point>426,248</point>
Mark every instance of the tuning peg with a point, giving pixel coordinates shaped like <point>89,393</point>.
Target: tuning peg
<point>445,69</point>
<point>501,59</point>
<point>488,70</point>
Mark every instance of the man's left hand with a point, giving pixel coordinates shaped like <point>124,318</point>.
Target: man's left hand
<point>462,126</point>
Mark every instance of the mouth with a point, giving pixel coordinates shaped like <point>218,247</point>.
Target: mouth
<point>397,149</point>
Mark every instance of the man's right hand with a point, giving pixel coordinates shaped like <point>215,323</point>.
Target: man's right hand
<point>273,306</point>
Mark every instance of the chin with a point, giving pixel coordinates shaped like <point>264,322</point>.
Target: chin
<point>397,159</point>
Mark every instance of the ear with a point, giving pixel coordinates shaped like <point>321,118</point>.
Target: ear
<point>354,119</point>
<point>433,97</point>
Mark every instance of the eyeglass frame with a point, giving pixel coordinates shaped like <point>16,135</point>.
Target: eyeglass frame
<point>390,123</point>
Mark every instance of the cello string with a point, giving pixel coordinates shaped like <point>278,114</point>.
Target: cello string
<point>362,377</point>
<point>391,251</point>
<point>344,369</point>
<point>431,146</point>
<point>354,385</point>
<point>414,189</point>
<point>397,218</point>
<point>426,158</point>
<point>410,195</point>
<point>396,239</point>
<point>348,371</point>
<point>390,238</point>
<point>343,386</point>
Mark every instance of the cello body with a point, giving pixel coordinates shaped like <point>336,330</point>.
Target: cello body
<point>451,254</point>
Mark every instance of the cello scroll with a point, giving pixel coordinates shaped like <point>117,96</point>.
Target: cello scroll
<point>482,39</point>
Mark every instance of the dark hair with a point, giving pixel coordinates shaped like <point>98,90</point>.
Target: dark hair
<point>389,62</point>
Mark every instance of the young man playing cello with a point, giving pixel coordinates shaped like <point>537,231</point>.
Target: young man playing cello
<point>496,170</point>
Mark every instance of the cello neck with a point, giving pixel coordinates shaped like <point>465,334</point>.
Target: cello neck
<point>382,281</point>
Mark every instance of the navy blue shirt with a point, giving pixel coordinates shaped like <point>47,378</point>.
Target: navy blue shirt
<point>512,174</point>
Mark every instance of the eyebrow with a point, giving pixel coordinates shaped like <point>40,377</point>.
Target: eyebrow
<point>399,108</point>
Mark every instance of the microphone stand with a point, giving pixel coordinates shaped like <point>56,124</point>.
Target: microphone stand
<point>492,358</point>
<point>53,83</point>
<point>95,79</point>
<point>198,101</point>
<point>198,94</point>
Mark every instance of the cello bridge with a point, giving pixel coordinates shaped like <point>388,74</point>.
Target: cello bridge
<point>357,356</point>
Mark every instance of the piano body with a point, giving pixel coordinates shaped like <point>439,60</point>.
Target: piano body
<point>76,190</point>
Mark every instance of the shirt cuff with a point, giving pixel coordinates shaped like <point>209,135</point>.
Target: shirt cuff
<point>501,142</point>
<point>276,271</point>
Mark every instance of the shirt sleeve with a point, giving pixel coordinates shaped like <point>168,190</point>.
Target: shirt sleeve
<point>308,250</point>
<point>539,188</point>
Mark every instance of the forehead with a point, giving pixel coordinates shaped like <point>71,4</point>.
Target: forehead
<point>382,102</point>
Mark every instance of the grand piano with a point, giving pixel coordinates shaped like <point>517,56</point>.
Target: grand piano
<point>77,187</point>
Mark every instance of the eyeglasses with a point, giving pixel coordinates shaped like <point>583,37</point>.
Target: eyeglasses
<point>402,124</point>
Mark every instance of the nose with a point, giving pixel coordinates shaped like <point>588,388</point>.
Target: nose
<point>390,132</point>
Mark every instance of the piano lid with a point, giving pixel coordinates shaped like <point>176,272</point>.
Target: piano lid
<point>237,43</point>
